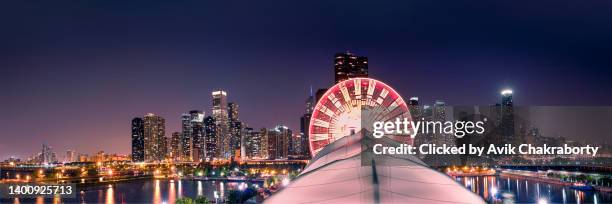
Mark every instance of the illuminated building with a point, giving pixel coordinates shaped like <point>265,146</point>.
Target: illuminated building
<point>197,134</point>
<point>192,125</point>
<point>210,138</point>
<point>219,112</point>
<point>175,146</point>
<point>279,142</point>
<point>252,143</point>
<point>71,156</point>
<point>154,138</point>
<point>413,106</point>
<point>138,144</point>
<point>235,128</point>
<point>186,140</point>
<point>264,143</point>
<point>347,65</point>
<point>47,155</point>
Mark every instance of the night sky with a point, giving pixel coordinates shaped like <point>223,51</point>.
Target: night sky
<point>74,73</point>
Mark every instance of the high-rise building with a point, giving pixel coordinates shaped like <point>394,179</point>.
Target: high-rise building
<point>296,144</point>
<point>304,133</point>
<point>232,111</point>
<point>138,143</point>
<point>348,65</point>
<point>414,108</point>
<point>252,143</point>
<point>175,146</point>
<point>47,155</point>
<point>71,156</point>
<point>310,102</point>
<point>235,128</point>
<point>279,142</point>
<point>264,151</point>
<point>154,138</point>
<point>507,117</point>
<point>197,134</point>
<point>210,138</point>
<point>186,139</point>
<point>192,136</point>
<point>219,112</point>
<point>304,146</point>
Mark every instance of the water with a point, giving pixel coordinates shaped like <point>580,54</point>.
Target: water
<point>147,191</point>
<point>525,191</point>
<point>166,191</point>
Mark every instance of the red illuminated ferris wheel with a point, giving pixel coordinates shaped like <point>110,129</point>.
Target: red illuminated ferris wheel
<point>343,109</point>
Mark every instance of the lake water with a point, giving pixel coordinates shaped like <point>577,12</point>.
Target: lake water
<point>147,191</point>
<point>525,191</point>
<point>167,191</point>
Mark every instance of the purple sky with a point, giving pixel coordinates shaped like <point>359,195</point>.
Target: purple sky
<point>73,74</point>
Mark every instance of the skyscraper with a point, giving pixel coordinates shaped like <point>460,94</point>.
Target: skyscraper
<point>138,144</point>
<point>279,142</point>
<point>348,65</point>
<point>235,128</point>
<point>197,134</point>
<point>252,142</point>
<point>71,156</point>
<point>186,139</point>
<point>154,138</point>
<point>507,117</point>
<point>304,135</point>
<point>414,108</point>
<point>175,146</point>
<point>219,112</point>
<point>264,151</point>
<point>310,102</point>
<point>210,138</point>
<point>304,146</point>
<point>47,155</point>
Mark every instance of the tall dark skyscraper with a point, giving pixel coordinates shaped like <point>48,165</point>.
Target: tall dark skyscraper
<point>348,65</point>
<point>507,117</point>
<point>210,138</point>
<point>304,125</point>
<point>138,140</point>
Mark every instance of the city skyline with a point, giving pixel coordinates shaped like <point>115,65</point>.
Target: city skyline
<point>82,76</point>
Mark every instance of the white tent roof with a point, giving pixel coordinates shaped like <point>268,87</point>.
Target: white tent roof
<point>336,175</point>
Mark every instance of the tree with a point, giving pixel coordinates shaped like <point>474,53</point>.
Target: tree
<point>184,200</point>
<point>202,200</point>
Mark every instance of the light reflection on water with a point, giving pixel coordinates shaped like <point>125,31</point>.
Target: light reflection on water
<point>525,191</point>
<point>143,191</point>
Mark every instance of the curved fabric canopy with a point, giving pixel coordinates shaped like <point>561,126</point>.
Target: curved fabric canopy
<point>337,175</point>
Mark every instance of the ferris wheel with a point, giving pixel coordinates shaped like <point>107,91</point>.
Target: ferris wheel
<point>353,105</point>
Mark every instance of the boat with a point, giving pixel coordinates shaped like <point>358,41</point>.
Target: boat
<point>582,187</point>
